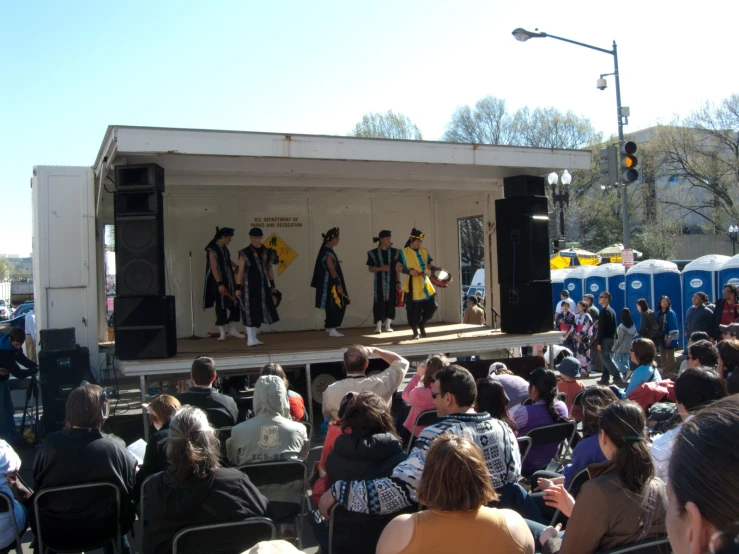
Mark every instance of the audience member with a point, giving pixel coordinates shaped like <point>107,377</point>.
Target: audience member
<point>356,360</point>
<point>516,388</point>
<point>473,314</point>
<point>728,364</point>
<point>604,339</point>
<point>695,336</point>
<point>10,464</point>
<point>625,335</point>
<point>669,336</point>
<point>220,409</point>
<point>370,451</point>
<point>160,411</point>
<point>700,315</point>
<point>492,399</point>
<point>696,388</point>
<point>11,354</point>
<point>704,483</point>
<point>79,454</point>
<point>569,371</point>
<point>195,490</point>
<point>702,354</point>
<point>417,393</point>
<point>594,314</point>
<point>622,503</point>
<point>545,410</point>
<point>582,335</point>
<point>270,435</point>
<point>643,353</point>
<point>455,488</point>
<point>564,299</point>
<point>297,404</point>
<point>565,322</point>
<point>454,394</point>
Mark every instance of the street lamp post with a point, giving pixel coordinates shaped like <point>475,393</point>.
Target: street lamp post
<point>523,35</point>
<point>733,237</point>
<point>561,198</point>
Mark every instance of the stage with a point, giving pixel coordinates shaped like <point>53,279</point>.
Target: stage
<point>303,348</point>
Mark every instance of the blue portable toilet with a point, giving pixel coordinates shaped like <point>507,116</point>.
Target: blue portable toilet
<point>609,277</point>
<point>558,285</point>
<point>652,279</point>
<point>575,281</point>
<point>727,273</point>
<point>701,275</point>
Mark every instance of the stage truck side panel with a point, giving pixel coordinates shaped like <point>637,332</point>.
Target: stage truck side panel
<point>64,258</point>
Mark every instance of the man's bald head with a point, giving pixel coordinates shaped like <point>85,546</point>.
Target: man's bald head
<point>355,359</point>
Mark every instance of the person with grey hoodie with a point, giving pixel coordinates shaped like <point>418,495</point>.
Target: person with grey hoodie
<point>625,335</point>
<point>270,435</point>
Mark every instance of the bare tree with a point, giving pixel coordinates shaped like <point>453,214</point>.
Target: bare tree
<point>487,123</point>
<point>703,151</point>
<point>472,241</point>
<point>386,125</point>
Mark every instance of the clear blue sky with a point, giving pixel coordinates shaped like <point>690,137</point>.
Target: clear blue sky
<point>69,69</point>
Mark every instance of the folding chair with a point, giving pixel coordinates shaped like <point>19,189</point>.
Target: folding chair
<point>424,419</point>
<point>660,545</point>
<point>562,396</point>
<point>141,498</point>
<point>17,546</point>
<point>577,401</point>
<point>282,473</point>
<point>576,484</point>
<point>370,528</point>
<point>524,445</point>
<point>308,429</point>
<point>235,536</point>
<point>560,433</point>
<point>44,545</point>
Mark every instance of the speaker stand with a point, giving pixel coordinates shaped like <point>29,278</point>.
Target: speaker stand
<point>192,306</point>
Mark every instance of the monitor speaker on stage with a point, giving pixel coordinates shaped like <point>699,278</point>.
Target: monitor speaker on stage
<point>139,177</point>
<point>60,372</point>
<point>523,185</point>
<point>139,250</point>
<point>525,308</point>
<point>522,229</point>
<point>145,327</point>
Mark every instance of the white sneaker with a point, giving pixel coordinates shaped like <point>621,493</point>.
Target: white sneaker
<point>222,329</point>
<point>255,330</point>
<point>251,340</point>
<point>388,329</point>
<point>234,333</point>
<point>378,327</point>
<point>334,333</point>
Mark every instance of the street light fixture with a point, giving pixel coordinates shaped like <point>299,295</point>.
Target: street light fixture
<point>522,35</point>
<point>733,237</point>
<point>561,198</point>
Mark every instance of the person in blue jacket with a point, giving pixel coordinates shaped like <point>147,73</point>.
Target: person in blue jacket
<point>670,336</point>
<point>11,354</point>
<point>643,353</point>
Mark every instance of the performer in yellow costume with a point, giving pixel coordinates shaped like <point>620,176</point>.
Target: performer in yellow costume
<point>420,295</point>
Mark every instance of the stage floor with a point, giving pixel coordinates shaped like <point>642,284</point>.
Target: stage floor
<point>298,348</point>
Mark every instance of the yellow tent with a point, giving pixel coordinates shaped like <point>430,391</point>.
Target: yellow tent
<point>572,257</point>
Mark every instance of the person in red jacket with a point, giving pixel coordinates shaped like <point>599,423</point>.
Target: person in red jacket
<point>297,405</point>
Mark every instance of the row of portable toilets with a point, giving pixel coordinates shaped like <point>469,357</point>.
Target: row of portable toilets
<point>650,280</point>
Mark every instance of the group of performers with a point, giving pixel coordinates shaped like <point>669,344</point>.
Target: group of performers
<point>246,290</point>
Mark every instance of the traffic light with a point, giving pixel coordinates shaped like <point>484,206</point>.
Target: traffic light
<point>629,174</point>
<point>608,166</point>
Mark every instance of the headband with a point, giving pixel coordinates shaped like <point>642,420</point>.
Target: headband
<point>330,234</point>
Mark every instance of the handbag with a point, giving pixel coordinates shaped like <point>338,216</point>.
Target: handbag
<point>671,342</point>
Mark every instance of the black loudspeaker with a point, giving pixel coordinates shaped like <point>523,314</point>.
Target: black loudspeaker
<point>145,327</point>
<point>525,307</point>
<point>60,372</point>
<point>138,203</point>
<point>139,177</point>
<point>53,340</point>
<point>522,229</point>
<point>139,255</point>
<point>523,185</point>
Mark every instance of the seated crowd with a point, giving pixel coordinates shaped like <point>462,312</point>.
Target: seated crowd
<point>463,486</point>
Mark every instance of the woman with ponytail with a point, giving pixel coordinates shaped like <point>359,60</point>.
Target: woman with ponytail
<point>195,489</point>
<point>622,503</point>
<point>544,410</point>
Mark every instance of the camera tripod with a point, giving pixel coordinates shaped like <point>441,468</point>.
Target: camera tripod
<point>32,394</point>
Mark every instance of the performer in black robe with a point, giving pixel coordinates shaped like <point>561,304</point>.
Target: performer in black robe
<point>383,261</point>
<point>220,284</point>
<point>328,280</point>
<point>256,285</point>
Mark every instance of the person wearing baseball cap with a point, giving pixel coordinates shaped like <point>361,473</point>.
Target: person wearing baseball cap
<point>730,331</point>
<point>569,370</point>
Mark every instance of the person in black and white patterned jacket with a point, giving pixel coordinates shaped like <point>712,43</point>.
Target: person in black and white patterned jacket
<point>454,392</point>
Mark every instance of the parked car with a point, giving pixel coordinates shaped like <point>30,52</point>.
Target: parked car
<point>23,308</point>
<point>4,311</point>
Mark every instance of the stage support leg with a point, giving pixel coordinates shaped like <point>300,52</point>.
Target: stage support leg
<point>309,390</point>
<point>142,385</point>
<point>550,353</point>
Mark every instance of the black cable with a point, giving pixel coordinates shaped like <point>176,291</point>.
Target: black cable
<point>106,188</point>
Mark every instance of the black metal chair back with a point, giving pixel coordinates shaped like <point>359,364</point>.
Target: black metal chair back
<point>359,533</point>
<point>16,545</point>
<point>524,445</point>
<point>651,546</point>
<point>224,538</point>
<point>424,419</point>
<point>59,516</point>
